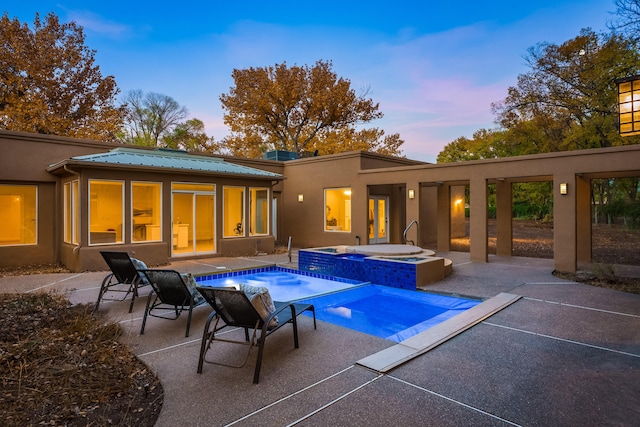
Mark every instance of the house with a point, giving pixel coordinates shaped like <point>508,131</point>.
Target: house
<point>64,200</point>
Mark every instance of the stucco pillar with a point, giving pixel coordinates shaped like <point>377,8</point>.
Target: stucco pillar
<point>444,218</point>
<point>458,223</point>
<point>583,223</point>
<point>504,220</point>
<point>564,224</point>
<point>412,211</point>
<point>478,234</point>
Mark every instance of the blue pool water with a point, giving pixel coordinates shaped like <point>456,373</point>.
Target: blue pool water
<point>386,312</point>
<point>390,313</point>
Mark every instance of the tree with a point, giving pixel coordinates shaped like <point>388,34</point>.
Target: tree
<point>49,83</point>
<point>627,19</point>
<point>485,144</point>
<point>567,100</point>
<point>300,109</point>
<point>150,117</point>
<point>190,136</point>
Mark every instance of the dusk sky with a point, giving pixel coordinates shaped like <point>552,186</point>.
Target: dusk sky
<point>434,67</point>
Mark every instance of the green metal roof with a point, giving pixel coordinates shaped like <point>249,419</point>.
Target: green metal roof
<point>167,159</point>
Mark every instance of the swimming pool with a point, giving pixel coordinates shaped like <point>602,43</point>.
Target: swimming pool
<point>386,312</point>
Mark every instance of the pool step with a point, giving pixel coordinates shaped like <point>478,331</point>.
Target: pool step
<point>389,358</point>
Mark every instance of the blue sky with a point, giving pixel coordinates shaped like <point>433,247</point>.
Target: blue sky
<point>435,68</point>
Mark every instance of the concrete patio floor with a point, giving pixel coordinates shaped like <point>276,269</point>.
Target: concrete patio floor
<point>563,354</point>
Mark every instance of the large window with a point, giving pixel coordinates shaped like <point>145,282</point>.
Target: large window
<point>106,213</point>
<point>18,218</point>
<point>259,201</point>
<point>146,205</point>
<point>337,213</point>
<point>233,210</point>
<point>71,212</point>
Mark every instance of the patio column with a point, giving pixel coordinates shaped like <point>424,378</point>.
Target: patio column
<point>583,212</point>
<point>564,223</point>
<point>504,220</point>
<point>444,218</point>
<point>412,211</point>
<point>478,234</point>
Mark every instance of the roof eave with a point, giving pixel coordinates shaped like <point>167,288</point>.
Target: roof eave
<point>57,167</point>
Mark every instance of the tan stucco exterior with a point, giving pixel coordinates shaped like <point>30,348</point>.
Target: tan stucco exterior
<point>433,214</point>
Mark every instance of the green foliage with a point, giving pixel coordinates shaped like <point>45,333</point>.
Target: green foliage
<point>190,136</point>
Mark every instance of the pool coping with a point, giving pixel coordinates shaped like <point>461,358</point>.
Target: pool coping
<point>394,356</point>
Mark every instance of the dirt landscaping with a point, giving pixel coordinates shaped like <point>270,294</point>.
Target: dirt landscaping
<point>611,244</point>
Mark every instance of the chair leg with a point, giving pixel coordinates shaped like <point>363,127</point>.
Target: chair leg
<point>313,310</point>
<point>134,285</point>
<point>189,319</point>
<point>103,288</point>
<point>146,312</point>
<point>256,374</point>
<point>205,339</point>
<point>295,330</point>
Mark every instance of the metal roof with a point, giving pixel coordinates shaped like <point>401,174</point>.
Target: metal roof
<point>168,159</point>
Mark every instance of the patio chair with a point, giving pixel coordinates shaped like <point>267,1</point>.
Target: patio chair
<point>234,308</point>
<point>124,278</point>
<point>169,292</point>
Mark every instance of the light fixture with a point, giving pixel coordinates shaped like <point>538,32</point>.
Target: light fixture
<point>412,194</point>
<point>563,188</point>
<point>629,105</point>
<point>458,201</point>
<point>300,198</point>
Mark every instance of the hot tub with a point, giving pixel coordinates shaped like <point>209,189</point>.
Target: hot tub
<point>399,266</point>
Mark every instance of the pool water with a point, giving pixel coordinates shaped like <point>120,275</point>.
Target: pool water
<point>386,312</point>
<point>389,313</point>
<point>283,284</point>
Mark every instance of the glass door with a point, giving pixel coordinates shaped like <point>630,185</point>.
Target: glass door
<point>193,219</point>
<point>378,219</point>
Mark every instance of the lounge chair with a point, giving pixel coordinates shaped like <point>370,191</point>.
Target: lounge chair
<point>234,308</point>
<point>170,292</point>
<point>124,278</point>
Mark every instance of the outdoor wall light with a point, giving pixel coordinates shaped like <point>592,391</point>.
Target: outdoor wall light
<point>300,198</point>
<point>458,201</point>
<point>629,105</point>
<point>412,194</point>
<point>563,188</point>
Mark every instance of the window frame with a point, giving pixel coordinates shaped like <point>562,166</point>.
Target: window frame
<point>71,212</point>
